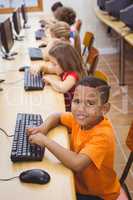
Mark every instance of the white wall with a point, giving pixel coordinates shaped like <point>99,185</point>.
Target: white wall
<point>85,10</point>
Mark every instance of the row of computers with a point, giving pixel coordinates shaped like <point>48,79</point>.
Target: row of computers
<point>119,9</point>
<point>8,34</point>
<point>21,149</point>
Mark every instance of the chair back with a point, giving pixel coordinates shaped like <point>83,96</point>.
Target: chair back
<point>78,25</point>
<point>92,60</point>
<point>87,41</point>
<point>129,140</point>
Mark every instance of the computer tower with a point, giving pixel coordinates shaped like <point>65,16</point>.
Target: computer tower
<point>126,15</point>
<point>101,4</point>
<point>113,7</point>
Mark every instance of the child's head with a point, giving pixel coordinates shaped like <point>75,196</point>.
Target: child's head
<point>66,14</point>
<point>90,101</point>
<point>56,5</point>
<point>66,58</point>
<point>60,30</point>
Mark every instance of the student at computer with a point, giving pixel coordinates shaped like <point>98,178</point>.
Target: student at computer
<point>49,20</point>
<point>92,141</point>
<point>65,62</point>
<point>68,15</point>
<point>60,31</point>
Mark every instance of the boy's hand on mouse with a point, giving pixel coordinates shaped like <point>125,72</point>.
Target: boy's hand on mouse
<point>37,139</point>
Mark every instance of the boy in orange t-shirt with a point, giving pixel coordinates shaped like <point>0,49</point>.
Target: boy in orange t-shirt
<point>92,141</point>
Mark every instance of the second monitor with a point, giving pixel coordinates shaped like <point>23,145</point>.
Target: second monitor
<point>114,7</point>
<point>17,24</point>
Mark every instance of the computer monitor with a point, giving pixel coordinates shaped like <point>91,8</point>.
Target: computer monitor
<point>126,15</point>
<point>16,21</point>
<point>114,7</point>
<point>24,15</point>
<point>6,38</point>
<point>101,4</point>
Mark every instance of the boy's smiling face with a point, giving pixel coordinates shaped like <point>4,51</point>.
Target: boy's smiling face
<point>87,107</point>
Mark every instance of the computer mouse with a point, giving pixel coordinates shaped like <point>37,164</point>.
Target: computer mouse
<point>22,69</point>
<point>42,45</point>
<point>37,176</point>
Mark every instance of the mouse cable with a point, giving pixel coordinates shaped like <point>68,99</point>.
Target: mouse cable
<point>8,179</point>
<point>14,82</point>
<point>13,70</point>
<point>2,130</point>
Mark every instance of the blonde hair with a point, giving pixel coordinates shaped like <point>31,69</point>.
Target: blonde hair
<point>60,30</point>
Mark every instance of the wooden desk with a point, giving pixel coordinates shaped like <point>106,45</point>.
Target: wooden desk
<point>117,26</point>
<point>14,100</point>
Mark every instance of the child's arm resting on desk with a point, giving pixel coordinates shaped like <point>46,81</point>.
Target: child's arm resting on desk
<point>72,160</point>
<point>51,122</point>
<point>75,161</point>
<point>61,86</point>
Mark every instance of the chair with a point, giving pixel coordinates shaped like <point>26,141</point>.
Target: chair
<point>92,60</point>
<point>101,75</point>
<point>87,41</point>
<point>124,175</point>
<point>78,25</point>
<point>77,42</point>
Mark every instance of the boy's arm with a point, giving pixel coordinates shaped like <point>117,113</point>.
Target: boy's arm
<point>76,162</point>
<point>51,122</point>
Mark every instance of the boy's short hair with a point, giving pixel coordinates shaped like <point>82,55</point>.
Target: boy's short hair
<point>101,85</point>
<point>66,14</point>
<point>56,5</point>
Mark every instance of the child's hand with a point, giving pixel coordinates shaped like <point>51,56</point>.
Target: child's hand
<point>47,79</point>
<point>33,131</point>
<point>37,139</point>
<point>35,68</point>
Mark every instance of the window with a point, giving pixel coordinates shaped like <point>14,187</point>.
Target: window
<point>9,5</point>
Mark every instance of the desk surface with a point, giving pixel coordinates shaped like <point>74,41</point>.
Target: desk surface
<point>13,100</point>
<point>115,25</point>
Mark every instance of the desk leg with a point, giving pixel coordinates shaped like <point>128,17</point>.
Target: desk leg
<point>122,62</point>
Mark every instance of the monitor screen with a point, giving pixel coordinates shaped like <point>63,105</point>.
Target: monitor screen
<point>16,21</point>
<point>6,34</point>
<point>24,13</point>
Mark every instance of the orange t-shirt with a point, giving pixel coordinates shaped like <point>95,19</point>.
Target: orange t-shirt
<point>98,143</point>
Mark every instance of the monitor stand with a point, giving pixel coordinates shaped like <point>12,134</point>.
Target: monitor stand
<point>9,56</point>
<point>19,38</point>
<point>25,26</point>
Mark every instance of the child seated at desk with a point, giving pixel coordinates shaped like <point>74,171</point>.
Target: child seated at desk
<point>57,32</point>
<point>68,15</point>
<point>92,141</point>
<point>65,62</point>
<point>49,20</point>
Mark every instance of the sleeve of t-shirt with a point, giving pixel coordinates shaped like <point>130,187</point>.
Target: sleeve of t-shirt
<point>74,75</point>
<point>96,149</point>
<point>66,119</point>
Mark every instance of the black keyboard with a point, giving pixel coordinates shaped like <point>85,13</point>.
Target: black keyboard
<point>35,54</point>
<point>22,150</point>
<point>39,34</point>
<point>32,81</point>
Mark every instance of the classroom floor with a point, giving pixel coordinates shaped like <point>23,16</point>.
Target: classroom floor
<point>121,113</point>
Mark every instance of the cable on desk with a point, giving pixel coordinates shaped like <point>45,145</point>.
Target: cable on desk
<point>14,70</point>
<point>2,130</point>
<point>8,179</point>
<point>14,82</point>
